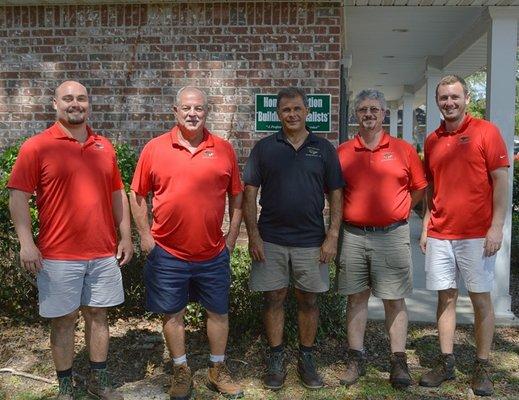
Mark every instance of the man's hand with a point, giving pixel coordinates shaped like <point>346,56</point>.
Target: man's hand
<point>328,249</point>
<point>493,241</point>
<point>256,248</point>
<point>423,240</point>
<point>124,251</point>
<point>147,243</point>
<point>30,258</point>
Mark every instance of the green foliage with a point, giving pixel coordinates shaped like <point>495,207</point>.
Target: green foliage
<point>126,160</point>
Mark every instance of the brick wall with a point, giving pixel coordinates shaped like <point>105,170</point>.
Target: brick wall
<point>133,59</point>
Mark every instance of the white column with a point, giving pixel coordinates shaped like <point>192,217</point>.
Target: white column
<point>432,117</point>
<point>393,118</point>
<point>408,117</point>
<point>501,70</point>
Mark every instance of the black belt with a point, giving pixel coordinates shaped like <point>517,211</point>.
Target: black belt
<point>387,228</point>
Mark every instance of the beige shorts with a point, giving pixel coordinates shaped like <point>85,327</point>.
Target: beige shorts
<point>380,261</point>
<point>308,273</point>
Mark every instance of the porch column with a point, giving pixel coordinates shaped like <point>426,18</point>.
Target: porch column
<point>407,116</point>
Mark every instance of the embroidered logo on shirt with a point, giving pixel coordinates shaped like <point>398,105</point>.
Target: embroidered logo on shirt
<point>313,152</point>
<point>463,140</point>
<point>208,154</point>
<point>98,146</point>
<point>388,156</point>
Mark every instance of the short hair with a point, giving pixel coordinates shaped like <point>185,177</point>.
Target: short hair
<point>370,94</point>
<point>451,80</point>
<point>190,88</point>
<point>291,92</point>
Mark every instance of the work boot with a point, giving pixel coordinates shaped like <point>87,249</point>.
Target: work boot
<point>355,367</point>
<point>220,380</point>
<point>307,370</point>
<point>66,388</point>
<point>442,371</point>
<point>275,372</point>
<point>99,385</point>
<point>481,383</point>
<point>399,375</point>
<point>181,382</point>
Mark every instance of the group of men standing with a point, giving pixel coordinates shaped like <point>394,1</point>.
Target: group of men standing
<point>372,182</point>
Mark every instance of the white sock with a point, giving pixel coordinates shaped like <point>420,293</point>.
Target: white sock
<point>180,360</point>
<point>216,359</point>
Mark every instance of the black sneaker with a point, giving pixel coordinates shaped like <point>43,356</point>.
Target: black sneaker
<point>307,371</point>
<point>275,372</point>
<point>441,372</point>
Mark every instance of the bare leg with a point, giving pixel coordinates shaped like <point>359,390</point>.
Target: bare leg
<point>62,340</point>
<point>174,333</point>
<point>396,323</point>
<point>483,323</point>
<point>97,334</point>
<point>274,316</point>
<point>356,319</point>
<point>307,317</point>
<point>217,332</point>
<point>446,317</point>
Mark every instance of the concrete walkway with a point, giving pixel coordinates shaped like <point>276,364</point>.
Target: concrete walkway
<point>422,303</point>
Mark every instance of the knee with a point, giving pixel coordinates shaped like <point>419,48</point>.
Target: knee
<point>307,302</point>
<point>481,301</point>
<point>66,321</point>
<point>174,319</point>
<point>275,299</point>
<point>358,300</point>
<point>218,318</point>
<point>96,314</point>
<point>394,306</point>
<point>447,298</point>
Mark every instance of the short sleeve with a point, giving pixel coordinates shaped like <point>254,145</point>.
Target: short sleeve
<point>417,178</point>
<point>494,149</point>
<point>25,173</point>
<point>117,182</point>
<point>252,171</point>
<point>333,178</point>
<point>235,185</point>
<point>141,182</point>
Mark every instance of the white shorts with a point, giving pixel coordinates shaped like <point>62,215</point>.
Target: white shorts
<point>445,260</point>
<point>64,285</point>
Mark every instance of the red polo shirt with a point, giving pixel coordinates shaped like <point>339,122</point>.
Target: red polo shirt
<point>458,164</point>
<point>74,184</point>
<point>379,181</point>
<point>189,192</point>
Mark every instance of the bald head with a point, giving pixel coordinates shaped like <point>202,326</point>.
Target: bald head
<point>71,103</point>
<point>70,86</point>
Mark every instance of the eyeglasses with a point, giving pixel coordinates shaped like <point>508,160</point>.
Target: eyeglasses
<point>372,110</point>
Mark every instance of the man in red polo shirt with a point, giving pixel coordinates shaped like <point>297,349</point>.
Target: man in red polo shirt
<point>190,172</point>
<point>466,163</point>
<point>80,200</point>
<point>384,180</point>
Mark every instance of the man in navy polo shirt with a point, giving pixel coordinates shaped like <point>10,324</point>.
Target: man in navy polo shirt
<point>294,169</point>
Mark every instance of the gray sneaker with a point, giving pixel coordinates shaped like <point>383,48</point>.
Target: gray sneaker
<point>66,389</point>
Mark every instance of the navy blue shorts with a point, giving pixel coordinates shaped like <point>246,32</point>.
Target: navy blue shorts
<point>171,282</point>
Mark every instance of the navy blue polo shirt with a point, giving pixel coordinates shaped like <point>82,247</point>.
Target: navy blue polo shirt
<point>293,184</point>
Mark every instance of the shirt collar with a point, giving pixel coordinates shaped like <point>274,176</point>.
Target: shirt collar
<point>466,121</point>
<point>207,140</point>
<point>311,138</point>
<point>384,142</point>
<point>57,130</point>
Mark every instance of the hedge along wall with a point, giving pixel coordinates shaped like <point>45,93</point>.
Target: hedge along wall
<point>134,58</point>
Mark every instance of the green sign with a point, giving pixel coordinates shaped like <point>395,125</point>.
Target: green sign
<point>318,120</point>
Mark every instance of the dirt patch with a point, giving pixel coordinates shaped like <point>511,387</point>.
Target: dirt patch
<point>140,363</point>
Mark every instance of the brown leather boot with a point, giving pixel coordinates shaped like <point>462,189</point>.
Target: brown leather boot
<point>99,385</point>
<point>481,383</point>
<point>181,382</point>
<point>220,380</point>
<point>355,367</point>
<point>399,375</point>
<point>442,371</point>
